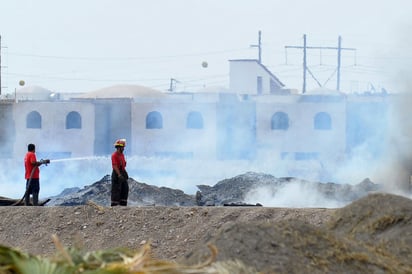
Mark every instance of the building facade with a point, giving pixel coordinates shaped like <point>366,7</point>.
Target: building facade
<point>257,119</point>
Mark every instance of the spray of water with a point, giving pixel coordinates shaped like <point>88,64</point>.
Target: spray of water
<point>91,158</point>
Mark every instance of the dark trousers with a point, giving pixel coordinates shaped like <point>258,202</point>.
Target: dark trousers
<point>33,188</point>
<point>120,189</point>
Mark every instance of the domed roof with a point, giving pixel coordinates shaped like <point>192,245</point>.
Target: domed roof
<point>33,90</point>
<point>32,93</point>
<point>123,91</point>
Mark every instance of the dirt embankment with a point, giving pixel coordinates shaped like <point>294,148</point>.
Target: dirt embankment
<point>172,230</point>
<point>370,235</point>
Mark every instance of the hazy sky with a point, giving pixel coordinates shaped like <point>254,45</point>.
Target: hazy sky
<point>82,45</point>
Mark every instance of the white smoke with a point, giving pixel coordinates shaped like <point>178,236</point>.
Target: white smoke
<point>183,174</point>
<point>294,194</point>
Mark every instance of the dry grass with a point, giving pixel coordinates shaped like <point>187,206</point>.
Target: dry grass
<point>111,261</point>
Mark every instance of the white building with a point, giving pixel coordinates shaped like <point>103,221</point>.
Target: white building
<point>255,119</point>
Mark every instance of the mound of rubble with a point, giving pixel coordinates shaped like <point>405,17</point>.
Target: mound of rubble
<point>228,192</point>
<point>140,194</point>
<point>235,190</point>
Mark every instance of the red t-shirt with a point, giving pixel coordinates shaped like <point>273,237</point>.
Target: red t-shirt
<point>29,161</point>
<point>118,160</point>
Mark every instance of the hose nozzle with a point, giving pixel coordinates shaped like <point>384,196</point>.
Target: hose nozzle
<point>45,161</point>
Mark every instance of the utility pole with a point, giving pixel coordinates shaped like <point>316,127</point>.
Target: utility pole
<point>1,47</point>
<point>304,64</point>
<point>339,59</point>
<point>305,67</point>
<point>173,83</point>
<point>259,46</point>
<point>0,64</point>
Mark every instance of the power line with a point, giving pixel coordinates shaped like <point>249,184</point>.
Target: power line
<point>339,49</point>
<point>119,58</point>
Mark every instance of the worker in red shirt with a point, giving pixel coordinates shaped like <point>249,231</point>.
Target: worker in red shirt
<point>120,186</point>
<point>32,175</point>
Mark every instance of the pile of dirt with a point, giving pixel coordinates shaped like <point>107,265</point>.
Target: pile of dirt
<point>370,235</point>
<point>172,231</point>
<point>382,221</point>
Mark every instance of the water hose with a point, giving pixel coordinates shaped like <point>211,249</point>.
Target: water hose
<point>47,161</point>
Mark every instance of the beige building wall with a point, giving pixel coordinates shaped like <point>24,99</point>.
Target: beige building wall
<point>174,138</point>
<point>301,135</point>
<point>243,77</point>
<point>53,137</point>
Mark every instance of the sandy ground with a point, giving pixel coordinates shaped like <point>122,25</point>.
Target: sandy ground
<point>172,231</point>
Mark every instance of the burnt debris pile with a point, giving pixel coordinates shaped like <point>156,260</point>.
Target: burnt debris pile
<point>140,194</point>
<point>232,191</point>
<point>236,189</point>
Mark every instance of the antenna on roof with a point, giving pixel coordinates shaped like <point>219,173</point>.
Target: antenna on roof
<point>259,46</point>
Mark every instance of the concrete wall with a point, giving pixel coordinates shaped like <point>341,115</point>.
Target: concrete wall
<point>243,77</point>
<point>113,121</point>
<point>53,138</point>
<point>301,136</point>
<point>7,129</point>
<point>174,139</point>
<point>233,127</point>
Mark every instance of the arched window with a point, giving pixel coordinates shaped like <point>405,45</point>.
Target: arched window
<point>73,120</point>
<point>33,120</point>
<point>194,120</point>
<point>154,120</point>
<point>322,121</point>
<point>280,120</point>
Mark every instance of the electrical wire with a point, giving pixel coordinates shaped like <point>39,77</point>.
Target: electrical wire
<point>128,58</point>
